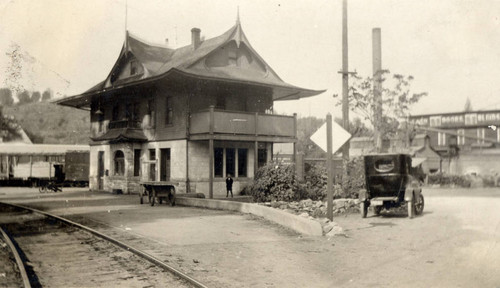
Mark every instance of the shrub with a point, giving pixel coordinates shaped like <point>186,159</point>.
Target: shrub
<point>275,182</point>
<point>355,179</point>
<point>315,183</point>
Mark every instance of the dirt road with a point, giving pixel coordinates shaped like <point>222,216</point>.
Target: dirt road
<point>454,244</point>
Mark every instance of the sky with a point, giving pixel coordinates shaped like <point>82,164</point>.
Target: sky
<point>450,47</point>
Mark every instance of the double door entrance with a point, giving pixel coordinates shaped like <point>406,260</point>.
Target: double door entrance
<point>165,164</point>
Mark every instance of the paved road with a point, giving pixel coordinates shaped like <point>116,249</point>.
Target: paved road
<point>454,244</point>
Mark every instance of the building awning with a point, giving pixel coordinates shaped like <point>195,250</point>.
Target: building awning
<point>123,134</point>
<point>417,161</point>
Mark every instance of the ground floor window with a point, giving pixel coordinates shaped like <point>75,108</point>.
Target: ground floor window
<point>119,161</point>
<point>152,165</point>
<point>137,162</point>
<point>230,161</point>
<point>242,162</point>
<point>219,162</point>
<point>261,157</point>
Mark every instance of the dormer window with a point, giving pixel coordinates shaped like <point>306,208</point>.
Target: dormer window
<point>134,67</point>
<point>232,57</point>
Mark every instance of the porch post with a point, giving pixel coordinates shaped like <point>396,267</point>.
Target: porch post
<point>211,168</point>
<point>295,141</point>
<point>211,154</point>
<point>256,146</point>
<point>255,158</point>
<point>31,166</point>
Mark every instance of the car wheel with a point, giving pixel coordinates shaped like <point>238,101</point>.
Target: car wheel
<point>419,205</point>
<point>411,207</point>
<point>363,207</point>
<point>377,209</point>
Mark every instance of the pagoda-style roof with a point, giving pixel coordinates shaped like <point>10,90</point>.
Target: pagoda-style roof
<point>228,57</point>
<point>122,134</point>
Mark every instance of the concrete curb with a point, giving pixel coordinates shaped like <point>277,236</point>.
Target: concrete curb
<point>300,224</point>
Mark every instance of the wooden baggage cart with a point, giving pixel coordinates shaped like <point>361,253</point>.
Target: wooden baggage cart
<point>158,191</point>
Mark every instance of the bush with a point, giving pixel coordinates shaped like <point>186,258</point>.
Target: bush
<point>315,183</point>
<point>355,179</point>
<point>275,182</point>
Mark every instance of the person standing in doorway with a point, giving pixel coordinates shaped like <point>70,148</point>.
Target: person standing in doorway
<point>229,185</point>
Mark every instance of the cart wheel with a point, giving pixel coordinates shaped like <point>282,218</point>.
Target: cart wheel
<point>160,199</point>
<point>377,209</point>
<point>42,189</point>
<point>363,207</point>
<point>171,199</point>
<point>419,205</point>
<point>411,208</point>
<point>141,200</point>
<point>152,197</point>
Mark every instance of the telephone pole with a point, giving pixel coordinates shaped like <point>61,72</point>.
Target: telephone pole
<point>345,79</point>
<point>377,85</point>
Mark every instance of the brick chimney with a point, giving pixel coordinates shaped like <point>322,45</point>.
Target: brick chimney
<point>195,37</point>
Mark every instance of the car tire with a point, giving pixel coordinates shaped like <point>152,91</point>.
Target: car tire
<point>411,207</point>
<point>419,205</point>
<point>363,207</point>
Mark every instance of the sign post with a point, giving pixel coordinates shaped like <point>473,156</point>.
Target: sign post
<point>329,154</point>
<point>323,138</point>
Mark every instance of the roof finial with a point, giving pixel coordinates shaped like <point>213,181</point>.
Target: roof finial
<point>238,15</point>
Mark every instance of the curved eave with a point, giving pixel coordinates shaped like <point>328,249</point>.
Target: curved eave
<point>280,92</point>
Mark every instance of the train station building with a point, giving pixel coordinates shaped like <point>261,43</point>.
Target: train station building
<point>189,115</point>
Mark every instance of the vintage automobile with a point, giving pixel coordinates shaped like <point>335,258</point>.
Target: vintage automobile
<point>390,183</point>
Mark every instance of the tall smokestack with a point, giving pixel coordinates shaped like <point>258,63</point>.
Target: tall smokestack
<point>195,38</point>
<point>377,85</point>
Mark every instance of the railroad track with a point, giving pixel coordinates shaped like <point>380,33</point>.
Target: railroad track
<point>57,252</point>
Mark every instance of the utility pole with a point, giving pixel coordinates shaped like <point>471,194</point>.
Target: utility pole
<point>345,79</point>
<point>377,85</point>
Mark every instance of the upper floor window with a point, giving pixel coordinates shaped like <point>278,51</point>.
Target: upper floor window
<point>119,162</point>
<point>460,137</point>
<point>116,113</point>
<point>169,111</point>
<point>132,112</point>
<point>151,112</point>
<point>134,67</point>
<point>220,102</point>
<point>232,57</point>
<point>100,119</point>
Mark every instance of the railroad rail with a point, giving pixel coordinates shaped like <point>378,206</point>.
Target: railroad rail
<point>155,261</point>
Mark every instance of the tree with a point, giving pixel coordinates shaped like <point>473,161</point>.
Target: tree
<point>396,100</point>
<point>47,95</point>
<point>24,97</point>
<point>35,97</point>
<point>6,98</point>
<point>13,72</point>
<point>9,129</point>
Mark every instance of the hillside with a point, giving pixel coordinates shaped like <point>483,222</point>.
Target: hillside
<point>49,123</point>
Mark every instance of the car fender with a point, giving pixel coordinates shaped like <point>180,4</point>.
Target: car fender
<point>409,194</point>
<point>362,195</point>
